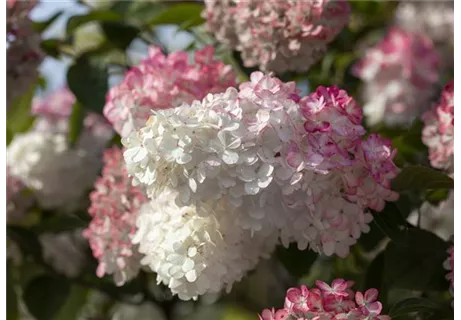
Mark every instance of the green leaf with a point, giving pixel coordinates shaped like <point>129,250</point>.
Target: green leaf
<point>45,295</point>
<point>297,262</point>
<point>51,47</point>
<point>27,241</point>
<point>96,15</point>
<point>421,178</point>
<point>41,26</point>
<point>11,298</point>
<point>185,14</point>
<point>137,12</point>
<point>416,262</point>
<point>437,196</point>
<point>76,123</point>
<point>416,306</point>
<point>59,223</point>
<point>19,117</point>
<point>88,80</point>
<point>76,300</point>
<point>119,34</point>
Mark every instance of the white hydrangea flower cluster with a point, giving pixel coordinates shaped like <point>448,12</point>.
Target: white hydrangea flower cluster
<point>259,161</point>
<point>196,249</point>
<point>44,160</point>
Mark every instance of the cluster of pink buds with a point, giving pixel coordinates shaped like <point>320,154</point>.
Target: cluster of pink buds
<point>114,207</point>
<point>325,302</point>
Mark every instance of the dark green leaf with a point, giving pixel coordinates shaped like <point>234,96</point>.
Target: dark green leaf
<point>51,47</point>
<point>119,34</point>
<point>421,178</point>
<point>88,80</point>
<point>436,196</point>
<point>74,303</point>
<point>139,12</point>
<point>96,15</point>
<point>416,261</point>
<point>391,222</point>
<point>41,26</point>
<point>181,14</point>
<point>60,222</point>
<point>27,241</point>
<point>76,123</point>
<point>45,295</point>
<point>11,298</point>
<point>297,262</point>
<point>416,306</point>
<point>19,116</point>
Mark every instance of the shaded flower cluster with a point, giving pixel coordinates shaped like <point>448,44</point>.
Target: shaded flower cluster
<point>399,73</point>
<point>432,18</point>
<point>269,160</point>
<point>44,160</point>
<point>438,132</point>
<point>23,51</point>
<point>161,82</point>
<point>277,35</point>
<point>115,205</point>
<point>335,302</point>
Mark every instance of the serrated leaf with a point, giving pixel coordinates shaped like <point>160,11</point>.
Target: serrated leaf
<point>41,26</point>
<point>119,34</point>
<point>96,15</point>
<point>180,14</point>
<point>421,178</point>
<point>45,295</point>
<point>416,262</point>
<point>297,262</point>
<point>76,123</point>
<point>88,80</point>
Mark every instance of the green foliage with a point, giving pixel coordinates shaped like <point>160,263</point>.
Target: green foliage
<point>88,80</point>
<point>184,14</point>
<point>295,261</point>
<point>76,123</point>
<point>421,178</point>
<point>96,15</point>
<point>45,295</point>
<point>11,298</point>
<point>19,118</point>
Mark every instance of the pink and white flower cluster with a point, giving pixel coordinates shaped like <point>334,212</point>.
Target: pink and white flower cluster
<point>23,49</point>
<point>161,82</point>
<point>277,35</point>
<point>44,161</point>
<point>438,132</point>
<point>434,19</point>
<point>280,165</point>
<point>115,205</point>
<point>399,74</point>
<point>325,302</point>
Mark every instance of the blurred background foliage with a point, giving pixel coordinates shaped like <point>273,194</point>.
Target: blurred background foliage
<point>403,261</point>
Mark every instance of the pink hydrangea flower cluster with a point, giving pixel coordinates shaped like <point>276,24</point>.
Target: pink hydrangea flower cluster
<point>277,35</point>
<point>325,302</point>
<point>115,204</point>
<point>438,132</point>
<point>434,19</point>
<point>399,74</point>
<point>161,82</point>
<point>280,163</point>
<point>449,264</point>
<point>23,49</point>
